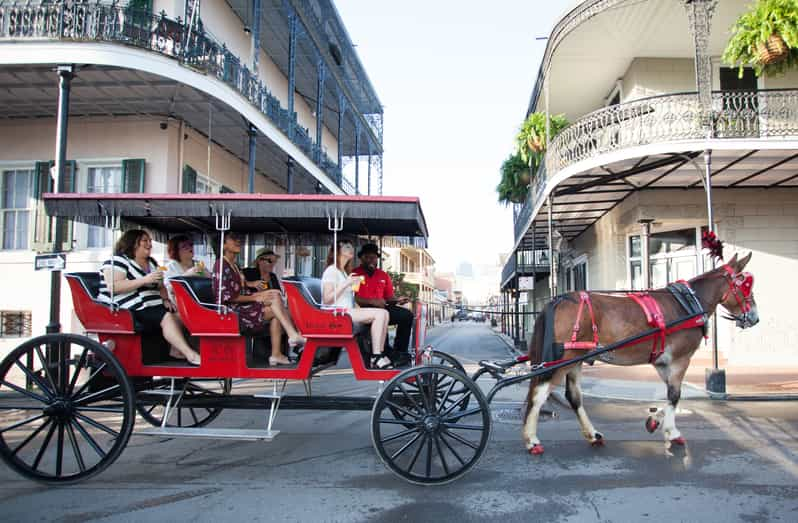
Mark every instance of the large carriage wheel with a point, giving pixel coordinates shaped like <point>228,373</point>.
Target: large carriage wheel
<point>66,408</point>
<point>446,360</point>
<point>419,429</point>
<point>152,409</point>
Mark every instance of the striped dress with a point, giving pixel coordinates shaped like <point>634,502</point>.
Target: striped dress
<point>137,299</point>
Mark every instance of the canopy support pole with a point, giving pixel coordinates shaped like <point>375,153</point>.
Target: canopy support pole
<point>253,137</point>
<point>65,75</point>
<point>552,263</point>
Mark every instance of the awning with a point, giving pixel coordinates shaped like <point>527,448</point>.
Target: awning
<point>250,213</point>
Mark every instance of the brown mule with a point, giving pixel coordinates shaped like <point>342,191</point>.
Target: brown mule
<point>618,317</point>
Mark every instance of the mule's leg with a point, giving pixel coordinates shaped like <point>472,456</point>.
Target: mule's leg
<point>672,373</point>
<point>538,394</point>
<point>573,393</point>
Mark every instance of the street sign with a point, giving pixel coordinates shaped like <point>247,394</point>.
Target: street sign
<point>50,262</point>
<point>526,283</point>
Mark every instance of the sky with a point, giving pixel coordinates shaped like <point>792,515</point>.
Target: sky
<point>455,79</point>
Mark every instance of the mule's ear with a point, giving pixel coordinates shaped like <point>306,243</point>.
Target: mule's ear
<point>733,261</point>
<point>742,263</point>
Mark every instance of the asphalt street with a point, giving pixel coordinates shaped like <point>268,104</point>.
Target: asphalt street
<point>740,464</point>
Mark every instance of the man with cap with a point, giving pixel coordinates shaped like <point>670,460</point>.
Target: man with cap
<point>377,291</point>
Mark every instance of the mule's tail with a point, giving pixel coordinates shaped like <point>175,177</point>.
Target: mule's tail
<point>535,352</point>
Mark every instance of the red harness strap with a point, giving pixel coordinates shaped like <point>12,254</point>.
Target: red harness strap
<point>584,298</point>
<point>655,319</point>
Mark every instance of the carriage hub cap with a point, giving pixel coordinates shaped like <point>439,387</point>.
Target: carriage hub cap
<point>431,423</point>
<point>59,408</point>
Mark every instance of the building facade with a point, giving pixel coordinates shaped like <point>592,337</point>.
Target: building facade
<point>170,96</point>
<point>659,112</point>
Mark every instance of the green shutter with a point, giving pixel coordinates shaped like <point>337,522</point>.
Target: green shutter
<point>225,189</point>
<point>70,177</point>
<point>133,176</point>
<point>43,183</point>
<point>189,180</point>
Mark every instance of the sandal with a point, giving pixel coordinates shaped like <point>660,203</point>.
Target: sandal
<point>297,343</point>
<point>273,361</point>
<point>176,354</point>
<point>381,362</point>
<point>194,359</point>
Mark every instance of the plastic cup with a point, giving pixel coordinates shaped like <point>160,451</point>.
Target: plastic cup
<point>358,283</point>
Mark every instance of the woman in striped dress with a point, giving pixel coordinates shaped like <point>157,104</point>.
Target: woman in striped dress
<point>138,287</point>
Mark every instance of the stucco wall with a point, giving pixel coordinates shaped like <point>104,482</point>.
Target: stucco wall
<point>655,76</point>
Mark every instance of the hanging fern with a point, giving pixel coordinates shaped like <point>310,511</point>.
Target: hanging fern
<point>752,30</point>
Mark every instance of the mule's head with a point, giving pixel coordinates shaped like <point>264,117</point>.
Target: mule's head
<point>738,300</point>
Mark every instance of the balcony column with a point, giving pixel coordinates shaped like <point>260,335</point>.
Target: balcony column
<point>341,114</point>
<point>65,75</point>
<point>368,188</point>
<point>699,14</point>
<point>255,36</point>
<point>357,156</point>
<point>253,147</point>
<point>293,30</point>
<point>289,175</point>
<point>645,251</point>
<point>552,261</point>
<point>321,73</point>
<point>715,377</point>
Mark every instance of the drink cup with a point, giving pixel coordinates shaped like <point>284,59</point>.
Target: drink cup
<point>200,266</point>
<point>358,283</point>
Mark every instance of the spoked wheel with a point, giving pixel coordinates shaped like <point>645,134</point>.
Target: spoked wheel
<point>420,431</point>
<point>152,410</point>
<point>445,360</point>
<point>66,408</point>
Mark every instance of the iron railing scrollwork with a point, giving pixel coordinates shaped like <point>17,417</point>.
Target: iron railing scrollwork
<point>97,22</point>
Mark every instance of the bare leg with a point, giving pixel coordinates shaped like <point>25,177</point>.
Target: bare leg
<point>378,319</point>
<point>573,393</point>
<point>174,335</point>
<point>279,311</point>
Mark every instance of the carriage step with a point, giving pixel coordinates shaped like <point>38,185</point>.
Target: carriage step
<point>163,392</point>
<point>268,395</point>
<point>240,434</point>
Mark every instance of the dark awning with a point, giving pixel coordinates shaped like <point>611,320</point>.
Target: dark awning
<point>250,213</point>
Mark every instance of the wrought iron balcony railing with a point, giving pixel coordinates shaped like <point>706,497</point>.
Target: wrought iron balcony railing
<point>95,22</point>
<point>667,118</point>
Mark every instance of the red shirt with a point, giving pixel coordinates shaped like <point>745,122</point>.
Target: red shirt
<point>378,286</point>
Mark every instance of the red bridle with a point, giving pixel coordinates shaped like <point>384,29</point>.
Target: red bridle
<point>741,287</point>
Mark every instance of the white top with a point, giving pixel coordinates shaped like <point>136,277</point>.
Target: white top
<point>173,268</point>
<point>137,299</point>
<point>336,276</point>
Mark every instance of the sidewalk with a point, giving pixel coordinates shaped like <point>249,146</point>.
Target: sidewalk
<point>642,381</point>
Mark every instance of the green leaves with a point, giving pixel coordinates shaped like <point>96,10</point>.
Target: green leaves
<point>753,28</point>
<point>514,182</point>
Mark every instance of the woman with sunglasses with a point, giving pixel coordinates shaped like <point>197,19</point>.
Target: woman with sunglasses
<point>253,307</point>
<point>263,278</point>
<point>338,286</point>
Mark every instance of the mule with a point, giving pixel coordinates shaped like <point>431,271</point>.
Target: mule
<point>620,316</point>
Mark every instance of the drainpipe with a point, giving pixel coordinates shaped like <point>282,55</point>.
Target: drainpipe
<point>253,136</point>
<point>552,263</point>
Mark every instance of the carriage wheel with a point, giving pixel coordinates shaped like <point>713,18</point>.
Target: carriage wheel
<point>66,408</point>
<point>446,360</point>
<point>420,431</point>
<point>152,411</point>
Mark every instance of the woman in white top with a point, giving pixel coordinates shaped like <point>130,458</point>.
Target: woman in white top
<point>337,291</point>
<point>180,249</point>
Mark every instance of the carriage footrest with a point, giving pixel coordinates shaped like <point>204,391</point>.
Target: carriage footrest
<point>268,395</point>
<point>240,434</point>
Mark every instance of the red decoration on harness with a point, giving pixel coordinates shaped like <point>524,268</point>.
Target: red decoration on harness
<point>584,298</point>
<point>741,287</point>
<point>655,319</point>
<point>710,241</point>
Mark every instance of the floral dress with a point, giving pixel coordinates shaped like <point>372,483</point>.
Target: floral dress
<point>250,314</point>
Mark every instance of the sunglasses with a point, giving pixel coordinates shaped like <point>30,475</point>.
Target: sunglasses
<point>267,260</point>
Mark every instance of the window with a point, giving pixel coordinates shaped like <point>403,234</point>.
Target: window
<point>17,187</point>
<point>673,256</point>
<point>194,182</point>
<point>107,179</point>
<point>15,324</point>
<point>576,275</point>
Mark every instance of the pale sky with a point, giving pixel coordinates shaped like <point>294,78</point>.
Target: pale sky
<point>455,78</point>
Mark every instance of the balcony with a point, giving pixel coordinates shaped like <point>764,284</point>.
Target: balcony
<point>525,262</point>
<point>94,22</point>
<point>767,115</point>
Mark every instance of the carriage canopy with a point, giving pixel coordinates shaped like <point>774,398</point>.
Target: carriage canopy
<point>256,213</point>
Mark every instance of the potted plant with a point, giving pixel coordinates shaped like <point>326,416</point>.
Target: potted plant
<point>531,139</point>
<point>765,37</point>
<point>514,182</point>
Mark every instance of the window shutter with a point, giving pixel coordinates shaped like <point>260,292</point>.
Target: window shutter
<point>225,189</point>
<point>189,180</point>
<point>42,183</point>
<point>133,175</point>
<point>70,175</point>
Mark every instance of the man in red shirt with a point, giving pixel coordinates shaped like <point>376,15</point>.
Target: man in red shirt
<point>377,291</point>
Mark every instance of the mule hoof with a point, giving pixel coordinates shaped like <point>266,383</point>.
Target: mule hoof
<point>651,425</point>
<point>599,442</point>
<point>536,449</point>
<point>679,441</point>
